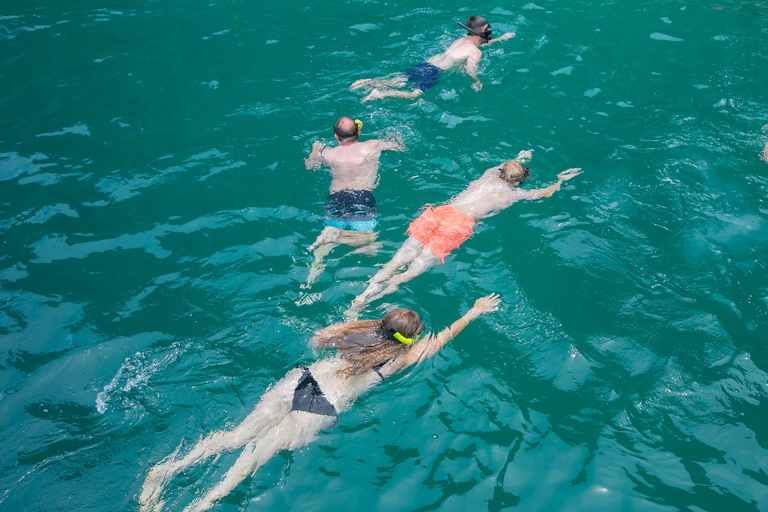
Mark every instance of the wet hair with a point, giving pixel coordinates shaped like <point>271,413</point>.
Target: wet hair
<point>368,343</point>
<point>476,23</point>
<point>514,173</point>
<point>345,128</point>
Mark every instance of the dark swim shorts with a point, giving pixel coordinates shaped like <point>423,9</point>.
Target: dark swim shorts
<point>423,76</point>
<point>353,210</point>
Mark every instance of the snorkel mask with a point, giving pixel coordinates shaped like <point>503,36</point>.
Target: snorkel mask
<point>485,34</point>
<point>407,341</point>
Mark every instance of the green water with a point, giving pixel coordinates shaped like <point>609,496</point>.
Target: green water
<point>155,213</point>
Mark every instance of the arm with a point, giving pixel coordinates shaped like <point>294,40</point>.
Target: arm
<point>472,62</point>
<point>393,143</point>
<point>432,345</point>
<point>504,37</point>
<point>315,158</point>
<point>548,191</point>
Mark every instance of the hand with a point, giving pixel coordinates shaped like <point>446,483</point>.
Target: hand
<point>317,146</point>
<point>508,35</point>
<point>524,156</point>
<point>487,304</point>
<point>570,173</point>
<point>477,86</point>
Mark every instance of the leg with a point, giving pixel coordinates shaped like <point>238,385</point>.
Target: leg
<point>408,252</point>
<point>377,94</point>
<point>271,410</point>
<point>329,235</point>
<point>325,243</point>
<point>391,81</point>
<point>298,429</point>
<point>424,262</point>
<point>318,266</point>
<point>364,241</point>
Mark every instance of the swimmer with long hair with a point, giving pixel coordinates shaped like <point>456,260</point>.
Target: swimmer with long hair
<point>438,231</point>
<point>308,399</point>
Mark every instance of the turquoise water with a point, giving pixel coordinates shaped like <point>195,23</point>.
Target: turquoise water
<point>155,215</point>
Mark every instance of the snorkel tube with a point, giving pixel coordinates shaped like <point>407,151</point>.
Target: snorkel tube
<point>407,341</point>
<point>485,34</point>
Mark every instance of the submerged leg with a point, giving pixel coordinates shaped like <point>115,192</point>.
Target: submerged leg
<point>421,264</point>
<point>390,81</point>
<point>271,410</point>
<point>364,241</point>
<point>379,93</point>
<point>298,429</point>
<point>318,265</point>
<point>377,286</point>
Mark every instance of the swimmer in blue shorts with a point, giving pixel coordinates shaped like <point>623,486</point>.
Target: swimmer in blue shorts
<point>464,51</point>
<point>350,214</point>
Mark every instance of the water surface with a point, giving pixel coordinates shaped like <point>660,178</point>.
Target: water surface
<point>155,213</point>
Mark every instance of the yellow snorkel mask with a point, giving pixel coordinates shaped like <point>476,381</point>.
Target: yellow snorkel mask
<point>407,341</point>
<point>402,339</point>
<point>359,125</point>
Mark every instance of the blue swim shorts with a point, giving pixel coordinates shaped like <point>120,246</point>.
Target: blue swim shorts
<point>353,210</point>
<point>423,76</point>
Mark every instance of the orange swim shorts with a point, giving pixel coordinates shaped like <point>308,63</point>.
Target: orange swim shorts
<point>442,229</point>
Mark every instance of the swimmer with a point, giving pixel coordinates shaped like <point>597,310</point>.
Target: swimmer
<point>291,414</point>
<point>350,214</point>
<point>437,231</point>
<point>421,77</point>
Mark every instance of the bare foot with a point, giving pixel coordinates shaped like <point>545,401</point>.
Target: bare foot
<point>359,84</point>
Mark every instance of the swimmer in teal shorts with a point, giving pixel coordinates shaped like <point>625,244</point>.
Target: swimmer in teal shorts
<point>350,214</point>
<point>464,51</point>
<point>292,412</point>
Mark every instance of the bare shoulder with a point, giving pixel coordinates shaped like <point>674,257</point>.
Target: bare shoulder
<point>331,154</point>
<point>371,144</point>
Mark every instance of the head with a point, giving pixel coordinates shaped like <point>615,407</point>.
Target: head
<point>478,26</point>
<point>369,343</point>
<point>402,325</point>
<point>346,130</point>
<point>514,173</point>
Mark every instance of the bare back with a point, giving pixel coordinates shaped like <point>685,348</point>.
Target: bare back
<point>460,52</point>
<point>488,195</point>
<point>354,166</point>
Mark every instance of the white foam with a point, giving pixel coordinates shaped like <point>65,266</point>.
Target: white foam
<point>78,129</point>
<point>133,373</point>
<point>664,37</point>
<point>592,92</point>
<point>563,71</point>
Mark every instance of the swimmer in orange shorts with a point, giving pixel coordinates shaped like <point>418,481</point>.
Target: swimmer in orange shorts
<point>437,231</point>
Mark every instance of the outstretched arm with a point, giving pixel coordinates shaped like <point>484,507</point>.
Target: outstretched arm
<point>548,191</point>
<point>432,345</point>
<point>393,143</point>
<point>315,158</point>
<point>503,37</point>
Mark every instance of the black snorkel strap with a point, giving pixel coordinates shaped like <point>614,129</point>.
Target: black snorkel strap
<point>479,34</point>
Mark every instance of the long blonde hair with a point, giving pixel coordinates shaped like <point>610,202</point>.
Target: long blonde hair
<point>368,343</point>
